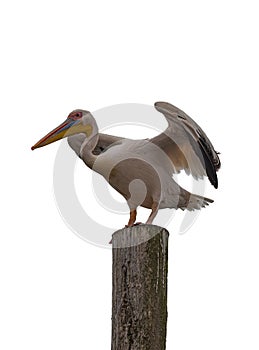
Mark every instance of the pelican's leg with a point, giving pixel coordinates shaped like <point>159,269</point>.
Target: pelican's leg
<point>132,219</point>
<point>153,213</point>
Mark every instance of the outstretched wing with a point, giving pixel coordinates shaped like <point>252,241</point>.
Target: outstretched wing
<point>186,144</point>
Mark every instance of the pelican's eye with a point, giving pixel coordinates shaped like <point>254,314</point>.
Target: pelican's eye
<point>75,115</point>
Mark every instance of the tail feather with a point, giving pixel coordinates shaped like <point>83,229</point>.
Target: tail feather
<point>195,202</point>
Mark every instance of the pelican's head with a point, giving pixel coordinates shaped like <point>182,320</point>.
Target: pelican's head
<point>78,121</point>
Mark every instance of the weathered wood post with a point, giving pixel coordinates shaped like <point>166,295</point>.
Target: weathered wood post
<point>139,297</point>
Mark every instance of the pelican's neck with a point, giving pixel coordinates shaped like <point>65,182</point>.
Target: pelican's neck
<point>86,150</point>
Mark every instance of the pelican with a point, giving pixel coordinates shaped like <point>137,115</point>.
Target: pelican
<point>142,170</point>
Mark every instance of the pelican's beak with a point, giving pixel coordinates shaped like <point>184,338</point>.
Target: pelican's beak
<point>67,128</point>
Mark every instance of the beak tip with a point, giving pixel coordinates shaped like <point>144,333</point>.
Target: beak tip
<point>32,148</point>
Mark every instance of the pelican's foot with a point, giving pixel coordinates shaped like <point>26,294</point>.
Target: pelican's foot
<point>136,224</point>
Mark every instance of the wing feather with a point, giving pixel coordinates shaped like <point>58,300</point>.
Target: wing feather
<point>186,144</point>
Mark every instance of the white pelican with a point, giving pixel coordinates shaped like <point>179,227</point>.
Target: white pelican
<point>141,170</point>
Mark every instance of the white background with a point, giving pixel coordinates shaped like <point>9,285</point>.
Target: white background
<point>59,55</point>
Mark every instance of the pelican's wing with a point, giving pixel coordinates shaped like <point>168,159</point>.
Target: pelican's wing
<point>105,141</point>
<point>186,144</point>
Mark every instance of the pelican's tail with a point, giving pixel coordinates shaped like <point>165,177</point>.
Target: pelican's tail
<point>194,201</point>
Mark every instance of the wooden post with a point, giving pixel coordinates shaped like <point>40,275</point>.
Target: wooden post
<point>139,297</point>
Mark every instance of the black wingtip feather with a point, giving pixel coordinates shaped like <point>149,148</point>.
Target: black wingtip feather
<point>209,166</point>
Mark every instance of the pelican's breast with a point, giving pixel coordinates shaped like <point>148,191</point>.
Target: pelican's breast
<point>128,169</point>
